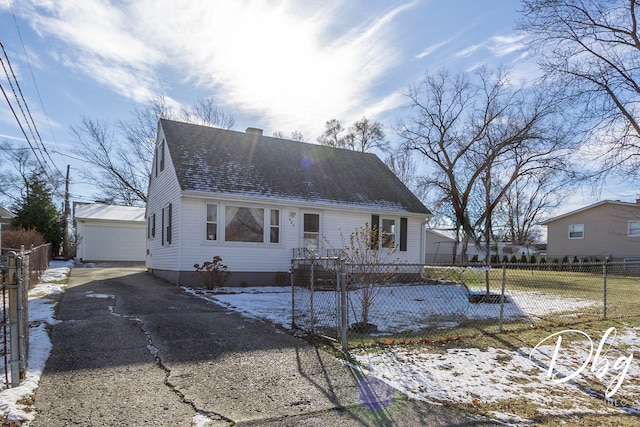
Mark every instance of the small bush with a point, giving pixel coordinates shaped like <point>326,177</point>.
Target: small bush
<point>505,259</point>
<point>513,259</point>
<point>13,239</point>
<point>565,260</point>
<point>533,260</point>
<point>214,273</point>
<point>523,258</point>
<point>543,260</point>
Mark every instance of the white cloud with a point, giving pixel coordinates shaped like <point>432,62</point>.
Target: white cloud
<point>468,50</point>
<point>289,65</point>
<point>506,45</point>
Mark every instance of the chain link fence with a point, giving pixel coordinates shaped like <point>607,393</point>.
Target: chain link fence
<point>19,271</point>
<point>405,302</point>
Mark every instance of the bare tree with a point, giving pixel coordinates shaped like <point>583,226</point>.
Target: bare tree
<point>479,134</point>
<point>363,136</point>
<point>16,166</point>
<point>591,48</point>
<point>524,205</point>
<point>294,136</point>
<point>332,135</point>
<point>120,156</point>
<point>403,165</point>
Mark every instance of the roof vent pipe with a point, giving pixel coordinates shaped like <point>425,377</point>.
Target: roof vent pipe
<point>254,131</point>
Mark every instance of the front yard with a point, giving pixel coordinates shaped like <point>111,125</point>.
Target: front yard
<point>504,376</point>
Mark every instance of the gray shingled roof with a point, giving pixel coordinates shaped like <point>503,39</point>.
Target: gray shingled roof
<point>216,160</point>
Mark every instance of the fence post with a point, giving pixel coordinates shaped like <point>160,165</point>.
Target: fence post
<point>293,295</point>
<point>14,327</point>
<point>311,279</point>
<point>343,304</point>
<point>604,292</point>
<point>504,280</point>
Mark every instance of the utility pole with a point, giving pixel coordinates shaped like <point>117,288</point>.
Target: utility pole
<point>65,217</point>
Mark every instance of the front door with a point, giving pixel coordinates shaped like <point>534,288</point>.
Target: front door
<point>311,232</point>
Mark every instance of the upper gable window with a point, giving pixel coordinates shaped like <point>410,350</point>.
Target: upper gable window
<point>576,231</point>
<point>634,228</point>
<point>161,155</point>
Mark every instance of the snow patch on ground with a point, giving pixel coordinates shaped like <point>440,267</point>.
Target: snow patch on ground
<point>470,376</point>
<point>41,314</point>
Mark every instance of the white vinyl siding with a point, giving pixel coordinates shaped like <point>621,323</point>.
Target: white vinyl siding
<point>330,231</point>
<point>164,191</point>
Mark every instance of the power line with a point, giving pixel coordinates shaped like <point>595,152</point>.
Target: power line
<point>29,121</point>
<point>35,84</point>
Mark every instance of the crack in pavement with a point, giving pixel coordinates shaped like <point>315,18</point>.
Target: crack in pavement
<point>155,352</point>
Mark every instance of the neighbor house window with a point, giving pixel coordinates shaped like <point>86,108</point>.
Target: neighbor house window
<point>576,231</point>
<point>151,226</point>
<point>212,222</point>
<point>388,233</point>
<point>274,228</point>
<point>244,224</point>
<point>634,228</point>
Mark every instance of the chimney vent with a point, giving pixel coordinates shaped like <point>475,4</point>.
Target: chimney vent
<point>254,131</point>
<point>638,201</point>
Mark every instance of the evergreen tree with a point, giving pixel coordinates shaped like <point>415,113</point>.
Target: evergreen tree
<point>36,210</point>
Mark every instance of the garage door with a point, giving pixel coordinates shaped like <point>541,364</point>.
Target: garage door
<point>114,242</point>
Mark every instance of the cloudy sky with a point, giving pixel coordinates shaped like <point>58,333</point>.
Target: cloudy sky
<point>278,65</point>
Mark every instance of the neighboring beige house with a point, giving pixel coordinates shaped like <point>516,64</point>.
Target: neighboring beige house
<point>439,248</point>
<point>607,229</point>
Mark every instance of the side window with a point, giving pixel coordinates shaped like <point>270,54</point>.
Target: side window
<point>388,233</point>
<point>153,226</point>
<point>166,224</point>
<point>576,231</point>
<point>212,222</point>
<point>634,228</point>
<point>274,228</point>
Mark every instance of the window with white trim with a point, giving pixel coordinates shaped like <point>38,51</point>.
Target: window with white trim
<point>248,224</point>
<point>211,222</point>
<point>388,233</point>
<point>274,227</point>
<point>634,228</point>
<point>167,214</point>
<point>576,231</point>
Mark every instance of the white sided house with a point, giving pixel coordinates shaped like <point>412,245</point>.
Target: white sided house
<point>109,233</point>
<point>255,200</point>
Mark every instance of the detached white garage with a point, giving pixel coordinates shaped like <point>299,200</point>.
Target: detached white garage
<point>110,233</point>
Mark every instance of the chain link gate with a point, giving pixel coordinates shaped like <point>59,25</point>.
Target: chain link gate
<point>15,324</point>
<point>315,294</point>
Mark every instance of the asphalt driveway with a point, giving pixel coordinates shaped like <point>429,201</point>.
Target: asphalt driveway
<point>133,350</point>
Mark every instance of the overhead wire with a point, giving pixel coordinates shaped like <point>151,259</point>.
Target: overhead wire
<point>30,123</point>
<point>33,78</point>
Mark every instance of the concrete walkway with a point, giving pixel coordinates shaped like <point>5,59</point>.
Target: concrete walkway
<point>133,350</point>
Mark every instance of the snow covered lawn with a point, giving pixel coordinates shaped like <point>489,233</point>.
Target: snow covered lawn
<point>41,314</point>
<point>505,383</point>
<point>395,308</point>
